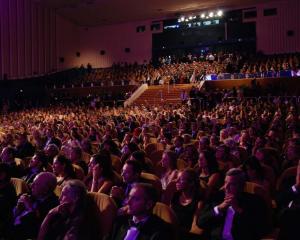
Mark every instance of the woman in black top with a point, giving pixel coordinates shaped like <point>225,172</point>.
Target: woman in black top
<point>187,202</point>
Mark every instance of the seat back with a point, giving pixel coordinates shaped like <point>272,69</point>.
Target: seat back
<point>116,163</point>
<point>78,172</point>
<point>19,185</point>
<point>156,156</point>
<point>166,213</point>
<point>152,179</point>
<point>104,210</point>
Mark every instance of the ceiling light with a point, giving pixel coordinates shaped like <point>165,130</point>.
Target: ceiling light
<point>202,15</point>
<point>220,13</point>
<point>211,14</point>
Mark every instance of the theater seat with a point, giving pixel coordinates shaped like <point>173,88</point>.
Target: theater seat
<point>57,191</point>
<point>166,213</point>
<point>152,179</point>
<point>104,210</point>
<point>78,172</point>
<point>19,185</point>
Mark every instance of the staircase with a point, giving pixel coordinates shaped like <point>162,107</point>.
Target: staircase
<point>162,94</point>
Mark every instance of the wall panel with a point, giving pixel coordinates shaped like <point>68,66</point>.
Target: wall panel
<point>272,30</point>
<point>27,39</point>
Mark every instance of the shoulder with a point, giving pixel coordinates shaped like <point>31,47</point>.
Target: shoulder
<point>157,223</point>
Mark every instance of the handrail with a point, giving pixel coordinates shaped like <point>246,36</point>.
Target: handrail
<point>136,94</point>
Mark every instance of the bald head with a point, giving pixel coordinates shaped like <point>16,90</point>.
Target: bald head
<point>43,184</point>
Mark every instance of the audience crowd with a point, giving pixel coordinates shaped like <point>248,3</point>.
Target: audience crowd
<point>229,170</point>
<point>172,69</point>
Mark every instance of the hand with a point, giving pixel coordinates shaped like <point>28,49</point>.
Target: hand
<point>228,200</point>
<point>116,192</point>
<point>62,209</point>
<point>26,201</point>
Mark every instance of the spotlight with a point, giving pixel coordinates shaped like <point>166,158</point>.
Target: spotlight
<point>220,13</point>
<point>202,15</point>
<point>211,14</point>
<point>179,20</point>
<point>182,19</point>
<point>190,17</point>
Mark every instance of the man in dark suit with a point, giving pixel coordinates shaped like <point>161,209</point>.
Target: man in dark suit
<point>235,215</point>
<point>32,209</point>
<point>141,224</point>
<point>24,148</point>
<point>8,199</point>
<point>131,173</point>
<point>289,218</point>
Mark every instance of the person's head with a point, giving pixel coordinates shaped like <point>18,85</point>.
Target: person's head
<point>101,162</point>
<point>75,154</point>
<point>207,160</point>
<point>43,184</point>
<point>39,160</point>
<point>253,168</point>
<point>131,171</point>
<point>169,160</point>
<point>222,152</point>
<point>178,142</point>
<point>260,142</point>
<point>138,156</point>
<point>51,150</point>
<point>62,166</point>
<point>142,199</point>
<point>21,138</point>
<point>187,180</point>
<point>74,195</point>
<point>8,155</point>
<point>213,140</point>
<point>187,138</point>
<point>234,182</point>
<point>4,175</point>
<point>293,153</point>
<point>203,143</point>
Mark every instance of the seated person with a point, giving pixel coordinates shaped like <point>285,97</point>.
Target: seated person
<point>32,209</point>
<point>100,174</point>
<point>8,156</point>
<point>131,174</point>
<point>68,220</point>
<point>209,174</point>
<point>235,214</point>
<point>24,148</point>
<point>63,169</point>
<point>187,202</point>
<point>8,198</point>
<point>141,223</point>
<point>36,165</point>
<point>76,158</point>
<point>290,211</point>
<point>170,171</point>
<point>255,173</point>
<point>146,163</point>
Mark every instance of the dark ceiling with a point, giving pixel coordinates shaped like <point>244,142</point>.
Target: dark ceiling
<point>103,12</point>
